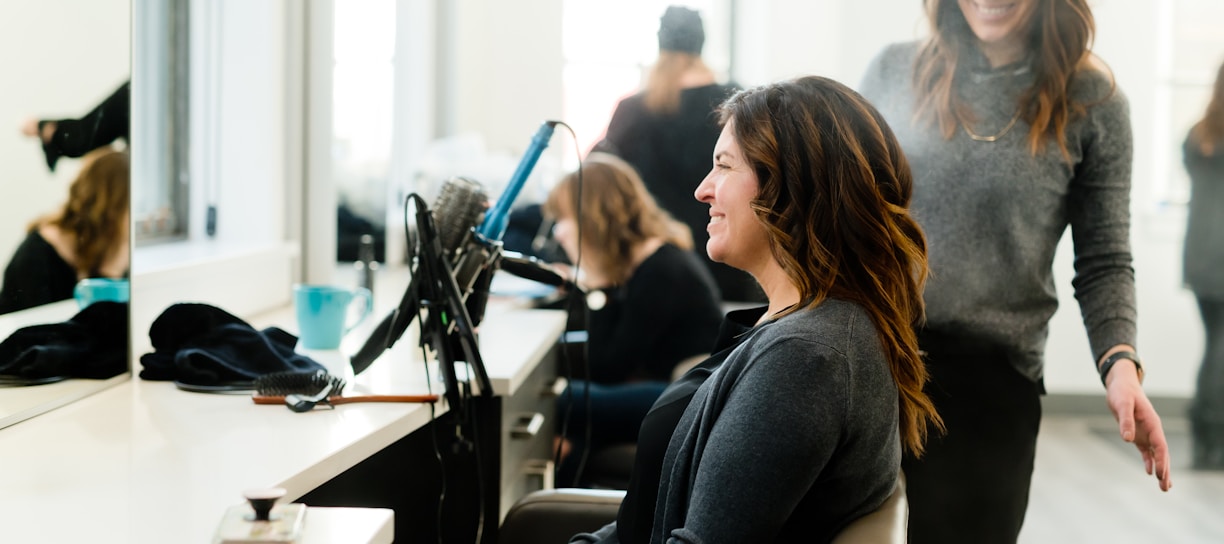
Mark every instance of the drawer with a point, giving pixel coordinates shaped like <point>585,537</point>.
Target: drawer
<point>527,433</point>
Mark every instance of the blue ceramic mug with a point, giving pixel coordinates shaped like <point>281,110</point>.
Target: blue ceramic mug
<point>323,313</point>
<point>91,290</point>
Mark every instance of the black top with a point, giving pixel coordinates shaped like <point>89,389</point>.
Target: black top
<point>668,311</point>
<point>673,153</point>
<point>36,275</point>
<point>635,520</point>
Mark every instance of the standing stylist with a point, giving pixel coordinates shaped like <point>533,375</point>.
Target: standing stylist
<point>1014,130</point>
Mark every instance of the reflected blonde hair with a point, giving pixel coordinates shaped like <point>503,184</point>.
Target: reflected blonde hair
<point>96,214</point>
<point>1210,129</point>
<point>616,214</point>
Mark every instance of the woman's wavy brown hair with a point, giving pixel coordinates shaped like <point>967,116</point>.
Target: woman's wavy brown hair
<point>616,213</point>
<point>1209,131</point>
<point>95,216</point>
<point>834,194</point>
<point>1060,37</point>
<point>663,84</point>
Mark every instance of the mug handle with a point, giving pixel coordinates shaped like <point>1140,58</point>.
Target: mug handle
<point>361,293</point>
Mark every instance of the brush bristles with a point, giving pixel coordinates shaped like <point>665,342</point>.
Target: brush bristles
<point>297,383</point>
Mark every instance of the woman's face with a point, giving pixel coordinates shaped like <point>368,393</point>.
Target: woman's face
<point>737,236</point>
<point>998,22</point>
<point>565,231</point>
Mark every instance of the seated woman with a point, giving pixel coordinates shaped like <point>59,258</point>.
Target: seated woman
<point>652,303</point>
<point>86,238</point>
<point>795,426</point>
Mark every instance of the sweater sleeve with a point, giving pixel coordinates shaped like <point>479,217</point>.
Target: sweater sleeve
<point>103,125</point>
<point>1099,214</point>
<point>605,535</point>
<point>774,436</point>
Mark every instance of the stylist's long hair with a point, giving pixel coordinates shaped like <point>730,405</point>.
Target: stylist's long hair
<point>1060,40</point>
<point>834,191</point>
<point>1209,131</point>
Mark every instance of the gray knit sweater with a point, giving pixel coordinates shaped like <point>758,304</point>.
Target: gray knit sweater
<point>792,437</point>
<point>993,213</point>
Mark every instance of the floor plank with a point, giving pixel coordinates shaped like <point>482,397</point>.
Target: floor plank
<point>1089,486</point>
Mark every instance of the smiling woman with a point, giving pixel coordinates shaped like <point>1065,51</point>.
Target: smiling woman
<point>62,58</point>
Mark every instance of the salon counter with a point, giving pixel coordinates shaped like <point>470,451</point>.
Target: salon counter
<point>145,462</point>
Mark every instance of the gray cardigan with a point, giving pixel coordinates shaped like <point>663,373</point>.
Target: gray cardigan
<point>994,214</point>
<point>1203,264</point>
<point>790,439</point>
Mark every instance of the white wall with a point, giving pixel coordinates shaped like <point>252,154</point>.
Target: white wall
<point>60,59</point>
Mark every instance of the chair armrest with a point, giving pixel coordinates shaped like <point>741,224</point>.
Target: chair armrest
<point>555,515</point>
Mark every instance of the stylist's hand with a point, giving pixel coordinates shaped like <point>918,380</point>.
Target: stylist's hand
<point>29,127</point>
<point>1138,421</point>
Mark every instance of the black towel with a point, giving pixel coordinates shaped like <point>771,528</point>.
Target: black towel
<point>92,344</point>
<point>199,344</point>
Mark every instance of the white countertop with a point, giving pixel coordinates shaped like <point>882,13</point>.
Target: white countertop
<point>144,462</point>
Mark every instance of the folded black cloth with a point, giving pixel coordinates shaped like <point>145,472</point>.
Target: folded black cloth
<point>199,344</point>
<point>92,344</point>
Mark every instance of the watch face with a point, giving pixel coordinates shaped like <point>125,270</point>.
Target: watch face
<point>596,299</point>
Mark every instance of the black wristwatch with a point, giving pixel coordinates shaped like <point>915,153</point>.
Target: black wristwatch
<point>1128,355</point>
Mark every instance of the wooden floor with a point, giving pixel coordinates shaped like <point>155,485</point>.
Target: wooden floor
<point>1090,487</point>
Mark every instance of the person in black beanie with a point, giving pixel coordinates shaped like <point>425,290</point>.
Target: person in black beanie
<point>667,130</point>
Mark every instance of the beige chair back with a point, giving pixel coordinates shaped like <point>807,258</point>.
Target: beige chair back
<point>554,515</point>
<point>886,525</point>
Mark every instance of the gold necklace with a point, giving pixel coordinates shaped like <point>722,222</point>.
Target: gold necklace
<point>995,137</point>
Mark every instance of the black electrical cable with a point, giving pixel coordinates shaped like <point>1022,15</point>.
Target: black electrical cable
<point>575,300</point>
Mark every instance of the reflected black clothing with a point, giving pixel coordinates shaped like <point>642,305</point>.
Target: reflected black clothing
<point>673,153</point>
<point>36,275</point>
<point>786,434</point>
<point>109,121</point>
<point>668,311</point>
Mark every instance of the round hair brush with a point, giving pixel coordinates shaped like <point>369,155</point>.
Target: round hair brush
<point>302,391</point>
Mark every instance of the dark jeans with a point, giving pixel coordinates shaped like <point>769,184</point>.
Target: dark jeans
<point>615,416</point>
<point>972,484</point>
<point>1207,408</point>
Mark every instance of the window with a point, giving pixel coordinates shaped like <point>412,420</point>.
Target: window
<point>1191,50</point>
<point>609,46</point>
<point>362,96</point>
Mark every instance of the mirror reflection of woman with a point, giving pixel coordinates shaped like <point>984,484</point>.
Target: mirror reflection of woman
<point>86,238</point>
<point>1203,269</point>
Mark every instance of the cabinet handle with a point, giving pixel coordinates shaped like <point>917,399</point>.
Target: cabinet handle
<point>527,426</point>
<point>555,389</point>
<point>542,469</point>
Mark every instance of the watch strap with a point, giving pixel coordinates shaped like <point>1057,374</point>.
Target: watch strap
<point>1118,356</point>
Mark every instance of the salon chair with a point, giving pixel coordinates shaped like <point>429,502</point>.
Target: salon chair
<point>554,515</point>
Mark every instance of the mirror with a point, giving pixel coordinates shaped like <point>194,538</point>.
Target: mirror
<point>62,58</point>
